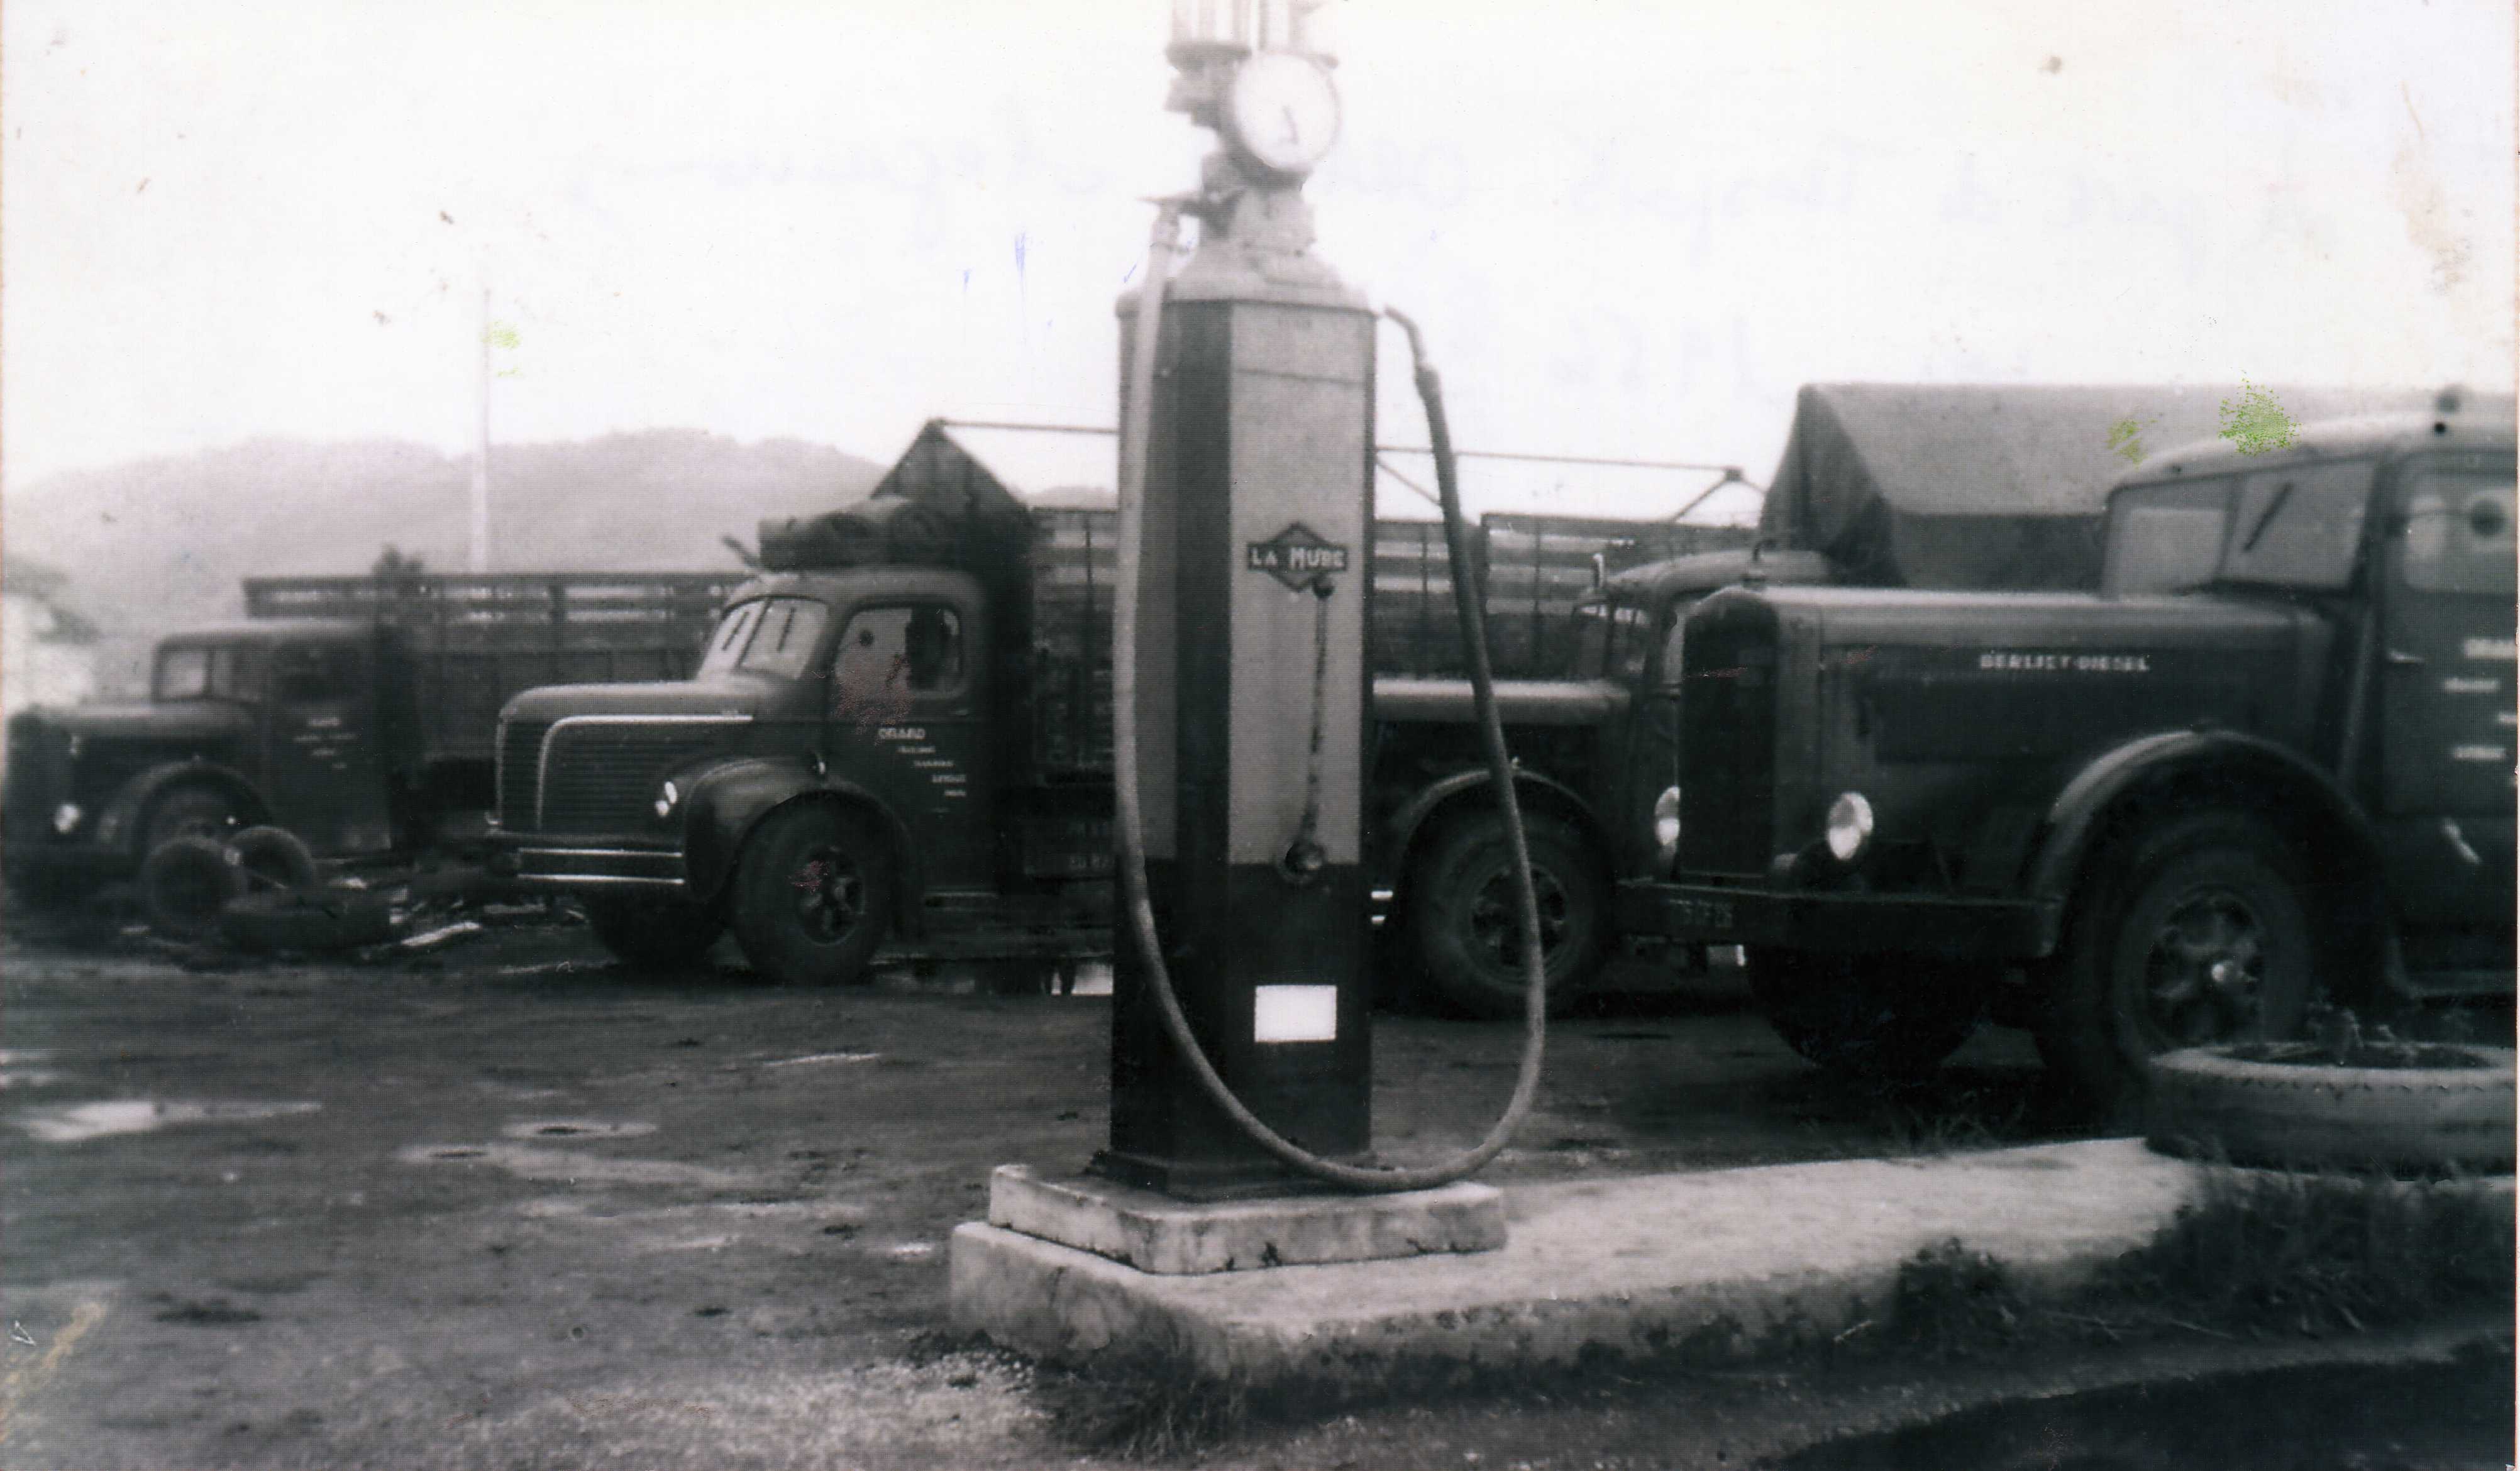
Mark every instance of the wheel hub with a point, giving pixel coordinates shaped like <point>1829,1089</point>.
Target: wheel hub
<point>1497,928</point>
<point>2205,967</point>
<point>830,894</point>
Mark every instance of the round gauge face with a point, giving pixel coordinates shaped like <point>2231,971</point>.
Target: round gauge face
<point>1284,112</point>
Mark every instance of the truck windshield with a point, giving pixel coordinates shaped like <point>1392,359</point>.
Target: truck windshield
<point>2296,526</point>
<point>207,671</point>
<point>767,636</point>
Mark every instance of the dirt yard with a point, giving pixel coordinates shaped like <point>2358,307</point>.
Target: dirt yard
<point>512,1206</point>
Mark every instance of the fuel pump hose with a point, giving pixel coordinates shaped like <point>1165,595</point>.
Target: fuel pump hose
<point>1135,440</point>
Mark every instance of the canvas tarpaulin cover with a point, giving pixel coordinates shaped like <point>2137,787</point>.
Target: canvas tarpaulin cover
<point>1989,487</point>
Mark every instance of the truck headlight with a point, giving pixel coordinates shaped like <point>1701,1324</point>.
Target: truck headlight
<point>669,796</point>
<point>1850,825</point>
<point>1667,823</point>
<point>66,818</point>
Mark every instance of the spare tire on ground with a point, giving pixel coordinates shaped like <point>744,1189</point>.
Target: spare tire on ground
<point>312,921</point>
<point>272,858</point>
<point>183,884</point>
<point>2449,1109</point>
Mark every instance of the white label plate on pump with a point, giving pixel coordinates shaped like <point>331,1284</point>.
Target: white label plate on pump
<point>1294,1013</point>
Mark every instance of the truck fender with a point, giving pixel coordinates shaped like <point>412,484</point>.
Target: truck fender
<point>727,801</point>
<point>126,812</point>
<point>1414,815</point>
<point>2075,819</point>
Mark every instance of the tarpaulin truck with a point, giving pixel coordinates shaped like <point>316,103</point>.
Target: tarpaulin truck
<point>2270,760</point>
<point>355,715</point>
<point>901,731</point>
<point>1881,485</point>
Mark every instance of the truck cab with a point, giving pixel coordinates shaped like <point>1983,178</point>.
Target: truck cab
<point>867,688</point>
<point>280,721</point>
<point>890,735</point>
<point>2269,761</point>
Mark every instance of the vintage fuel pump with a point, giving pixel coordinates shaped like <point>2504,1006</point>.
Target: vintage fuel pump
<point>1242,1045</point>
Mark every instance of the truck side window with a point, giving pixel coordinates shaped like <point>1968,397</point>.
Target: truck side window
<point>2459,536</point>
<point>313,672</point>
<point>232,674</point>
<point>1592,641</point>
<point>887,654</point>
<point>183,674</point>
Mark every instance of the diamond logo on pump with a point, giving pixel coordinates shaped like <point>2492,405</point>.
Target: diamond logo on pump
<point>1298,556</point>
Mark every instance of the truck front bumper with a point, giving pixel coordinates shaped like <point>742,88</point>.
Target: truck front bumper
<point>1840,922</point>
<point>598,864</point>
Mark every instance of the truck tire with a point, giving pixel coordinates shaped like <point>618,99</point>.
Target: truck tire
<point>184,883</point>
<point>1466,939</point>
<point>2204,1103</point>
<point>2194,932</point>
<point>271,858</point>
<point>1865,1016</point>
<point>658,934</point>
<point>193,810</point>
<point>306,921</point>
<point>813,895</point>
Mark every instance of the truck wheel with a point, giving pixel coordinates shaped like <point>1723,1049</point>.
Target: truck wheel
<point>653,934</point>
<point>1461,923</point>
<point>1878,1018</point>
<point>272,858</point>
<point>2196,934</point>
<point>813,894</point>
<point>194,810</point>
<point>184,884</point>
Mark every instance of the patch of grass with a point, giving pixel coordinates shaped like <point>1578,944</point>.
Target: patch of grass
<point>1951,1303</point>
<point>2267,1252</point>
<point>1144,1405</point>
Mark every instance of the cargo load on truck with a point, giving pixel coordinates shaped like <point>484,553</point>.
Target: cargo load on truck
<point>1988,487</point>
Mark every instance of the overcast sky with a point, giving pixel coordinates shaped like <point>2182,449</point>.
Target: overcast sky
<point>1631,229</point>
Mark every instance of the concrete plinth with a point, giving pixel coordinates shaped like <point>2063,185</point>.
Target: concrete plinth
<point>1159,1234</point>
<point>1722,1261</point>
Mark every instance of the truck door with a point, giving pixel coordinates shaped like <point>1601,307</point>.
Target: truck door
<point>323,768</point>
<point>908,703</point>
<point>2447,706</point>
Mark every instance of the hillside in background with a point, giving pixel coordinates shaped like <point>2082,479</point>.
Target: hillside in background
<point>155,544</point>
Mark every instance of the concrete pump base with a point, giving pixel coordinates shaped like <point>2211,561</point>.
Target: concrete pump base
<point>1722,1262</point>
<point>1156,1233</point>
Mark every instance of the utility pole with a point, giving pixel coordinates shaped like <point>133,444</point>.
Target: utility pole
<point>480,542</point>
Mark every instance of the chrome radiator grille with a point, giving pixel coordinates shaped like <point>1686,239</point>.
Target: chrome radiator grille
<point>600,776</point>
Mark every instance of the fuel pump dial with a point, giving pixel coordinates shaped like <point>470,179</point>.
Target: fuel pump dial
<point>1283,112</point>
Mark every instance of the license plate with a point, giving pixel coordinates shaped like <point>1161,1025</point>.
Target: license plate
<point>1701,913</point>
